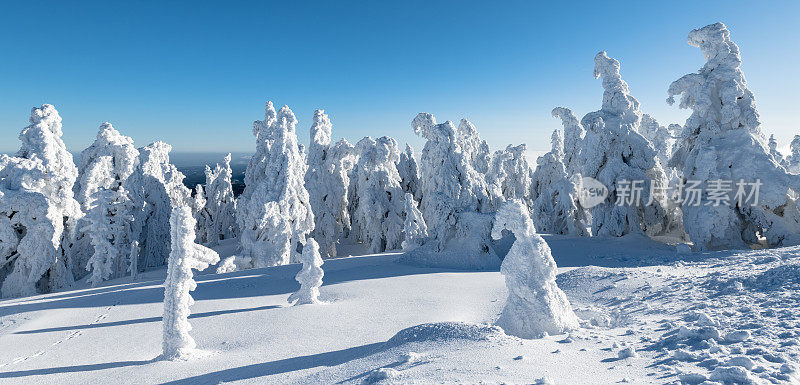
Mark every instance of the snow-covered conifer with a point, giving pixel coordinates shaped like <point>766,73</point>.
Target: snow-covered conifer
<point>310,275</point>
<point>219,210</point>
<point>722,141</point>
<point>793,160</point>
<point>509,175</point>
<point>659,136</point>
<point>197,203</point>
<point>38,210</point>
<point>94,174</point>
<point>409,173</point>
<point>773,150</point>
<point>380,207</point>
<point>475,149</point>
<point>535,304</point>
<point>415,229</point>
<point>617,155</point>
<point>573,135</point>
<point>184,256</point>
<point>107,224</point>
<point>274,213</point>
<point>556,207</point>
<point>155,188</point>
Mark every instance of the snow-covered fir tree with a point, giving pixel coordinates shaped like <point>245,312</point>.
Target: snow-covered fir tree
<point>773,150</point>
<point>274,212</point>
<point>219,209</point>
<point>659,136</point>
<point>380,197</point>
<point>475,149</point>
<point>155,188</point>
<point>535,304</point>
<point>38,211</point>
<point>722,141</point>
<point>556,208</point>
<point>509,175</point>
<point>184,256</point>
<point>107,224</point>
<point>310,275</point>
<point>793,160</point>
<point>414,229</point>
<point>614,153</point>
<point>409,173</point>
<point>573,137</point>
<point>197,203</point>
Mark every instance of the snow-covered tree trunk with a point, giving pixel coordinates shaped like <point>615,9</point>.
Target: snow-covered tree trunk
<point>722,141</point>
<point>414,229</point>
<point>38,211</point>
<point>184,256</point>
<point>275,213</point>
<point>310,275</point>
<point>535,304</point>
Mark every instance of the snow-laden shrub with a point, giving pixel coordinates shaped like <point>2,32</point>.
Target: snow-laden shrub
<point>509,174</point>
<point>219,208</point>
<point>380,197</point>
<point>310,275</point>
<point>535,304</point>
<point>475,149</point>
<point>409,173</point>
<point>722,140</point>
<point>184,256</point>
<point>274,212</point>
<point>415,230</point>
<point>617,155</point>
<point>327,181</point>
<point>573,136</point>
<point>38,211</point>
<point>155,188</point>
<point>556,208</point>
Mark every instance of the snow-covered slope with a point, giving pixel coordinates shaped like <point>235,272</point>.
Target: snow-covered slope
<point>649,315</point>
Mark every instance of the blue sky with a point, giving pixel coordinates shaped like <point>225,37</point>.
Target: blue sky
<point>196,74</point>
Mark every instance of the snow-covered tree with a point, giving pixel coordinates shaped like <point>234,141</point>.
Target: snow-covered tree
<point>659,136</point>
<point>107,224</point>
<point>310,275</point>
<point>184,256</point>
<point>535,304</point>
<point>155,188</point>
<point>793,160</point>
<point>773,150</point>
<point>219,209</point>
<point>509,175</point>
<point>475,149</point>
<point>274,212</point>
<point>380,198</point>
<point>197,203</point>
<point>617,155</point>
<point>454,199</point>
<point>573,136</point>
<point>414,229</point>
<point>722,141</point>
<point>409,173</point>
<point>556,208</point>
<point>38,211</point>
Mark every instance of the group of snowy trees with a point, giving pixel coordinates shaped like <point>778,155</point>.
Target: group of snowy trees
<point>110,216</point>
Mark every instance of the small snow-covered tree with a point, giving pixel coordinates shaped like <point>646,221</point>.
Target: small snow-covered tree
<point>509,175</point>
<point>659,136</point>
<point>38,211</point>
<point>409,173</point>
<point>219,210</point>
<point>274,213</point>
<point>475,149</point>
<point>414,229</point>
<point>107,224</point>
<point>573,136</point>
<point>197,203</point>
<point>310,275</point>
<point>535,304</point>
<point>793,160</point>
<point>556,208</point>
<point>617,155</point>
<point>773,150</point>
<point>722,141</point>
<point>184,256</point>
<point>155,188</point>
<point>380,208</point>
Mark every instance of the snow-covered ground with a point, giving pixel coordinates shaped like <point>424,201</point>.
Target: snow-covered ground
<point>649,315</point>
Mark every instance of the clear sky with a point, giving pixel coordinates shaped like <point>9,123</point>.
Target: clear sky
<point>196,74</point>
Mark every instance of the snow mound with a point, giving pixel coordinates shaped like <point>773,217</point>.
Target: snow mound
<point>784,276</point>
<point>441,331</point>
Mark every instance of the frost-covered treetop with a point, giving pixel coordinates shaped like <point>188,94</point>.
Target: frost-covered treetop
<point>616,96</point>
<point>109,143</point>
<point>424,125</point>
<point>573,134</point>
<point>718,93</point>
<point>320,129</point>
<point>475,149</point>
<point>514,217</point>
